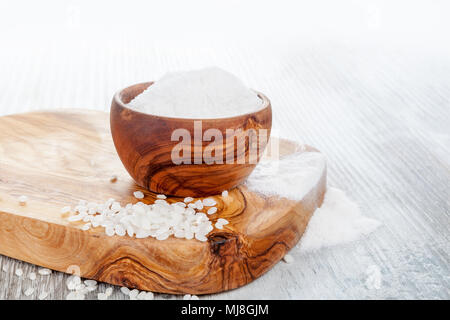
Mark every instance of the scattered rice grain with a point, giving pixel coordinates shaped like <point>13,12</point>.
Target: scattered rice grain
<point>29,292</point>
<point>90,283</point>
<point>44,271</point>
<point>65,209</point>
<point>198,205</point>
<point>218,226</point>
<point>181,204</point>
<point>288,258</point>
<point>43,295</point>
<point>23,200</point>
<point>188,199</point>
<point>138,195</point>
<point>102,296</point>
<point>209,202</point>
<point>141,295</point>
<point>222,221</point>
<point>109,291</point>
<point>125,290</point>
<point>133,293</point>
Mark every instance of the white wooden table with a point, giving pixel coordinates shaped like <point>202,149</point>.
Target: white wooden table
<point>367,84</point>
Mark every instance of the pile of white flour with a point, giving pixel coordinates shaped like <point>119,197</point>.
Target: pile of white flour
<point>337,221</point>
<point>205,93</point>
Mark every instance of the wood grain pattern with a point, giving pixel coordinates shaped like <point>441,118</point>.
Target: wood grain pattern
<point>144,144</point>
<point>57,158</point>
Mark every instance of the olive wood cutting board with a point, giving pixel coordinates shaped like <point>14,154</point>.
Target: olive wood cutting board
<point>57,158</point>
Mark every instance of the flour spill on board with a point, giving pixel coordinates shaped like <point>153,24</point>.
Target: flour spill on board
<point>337,221</point>
<point>198,94</point>
<point>292,176</point>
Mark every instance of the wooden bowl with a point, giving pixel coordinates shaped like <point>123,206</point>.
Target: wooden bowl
<point>144,145</point>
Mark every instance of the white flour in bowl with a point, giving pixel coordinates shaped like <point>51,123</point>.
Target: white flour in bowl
<point>206,93</point>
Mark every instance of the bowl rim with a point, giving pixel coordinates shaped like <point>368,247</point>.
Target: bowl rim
<point>265,107</point>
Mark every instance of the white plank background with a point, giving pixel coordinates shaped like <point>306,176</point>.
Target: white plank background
<point>366,82</point>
